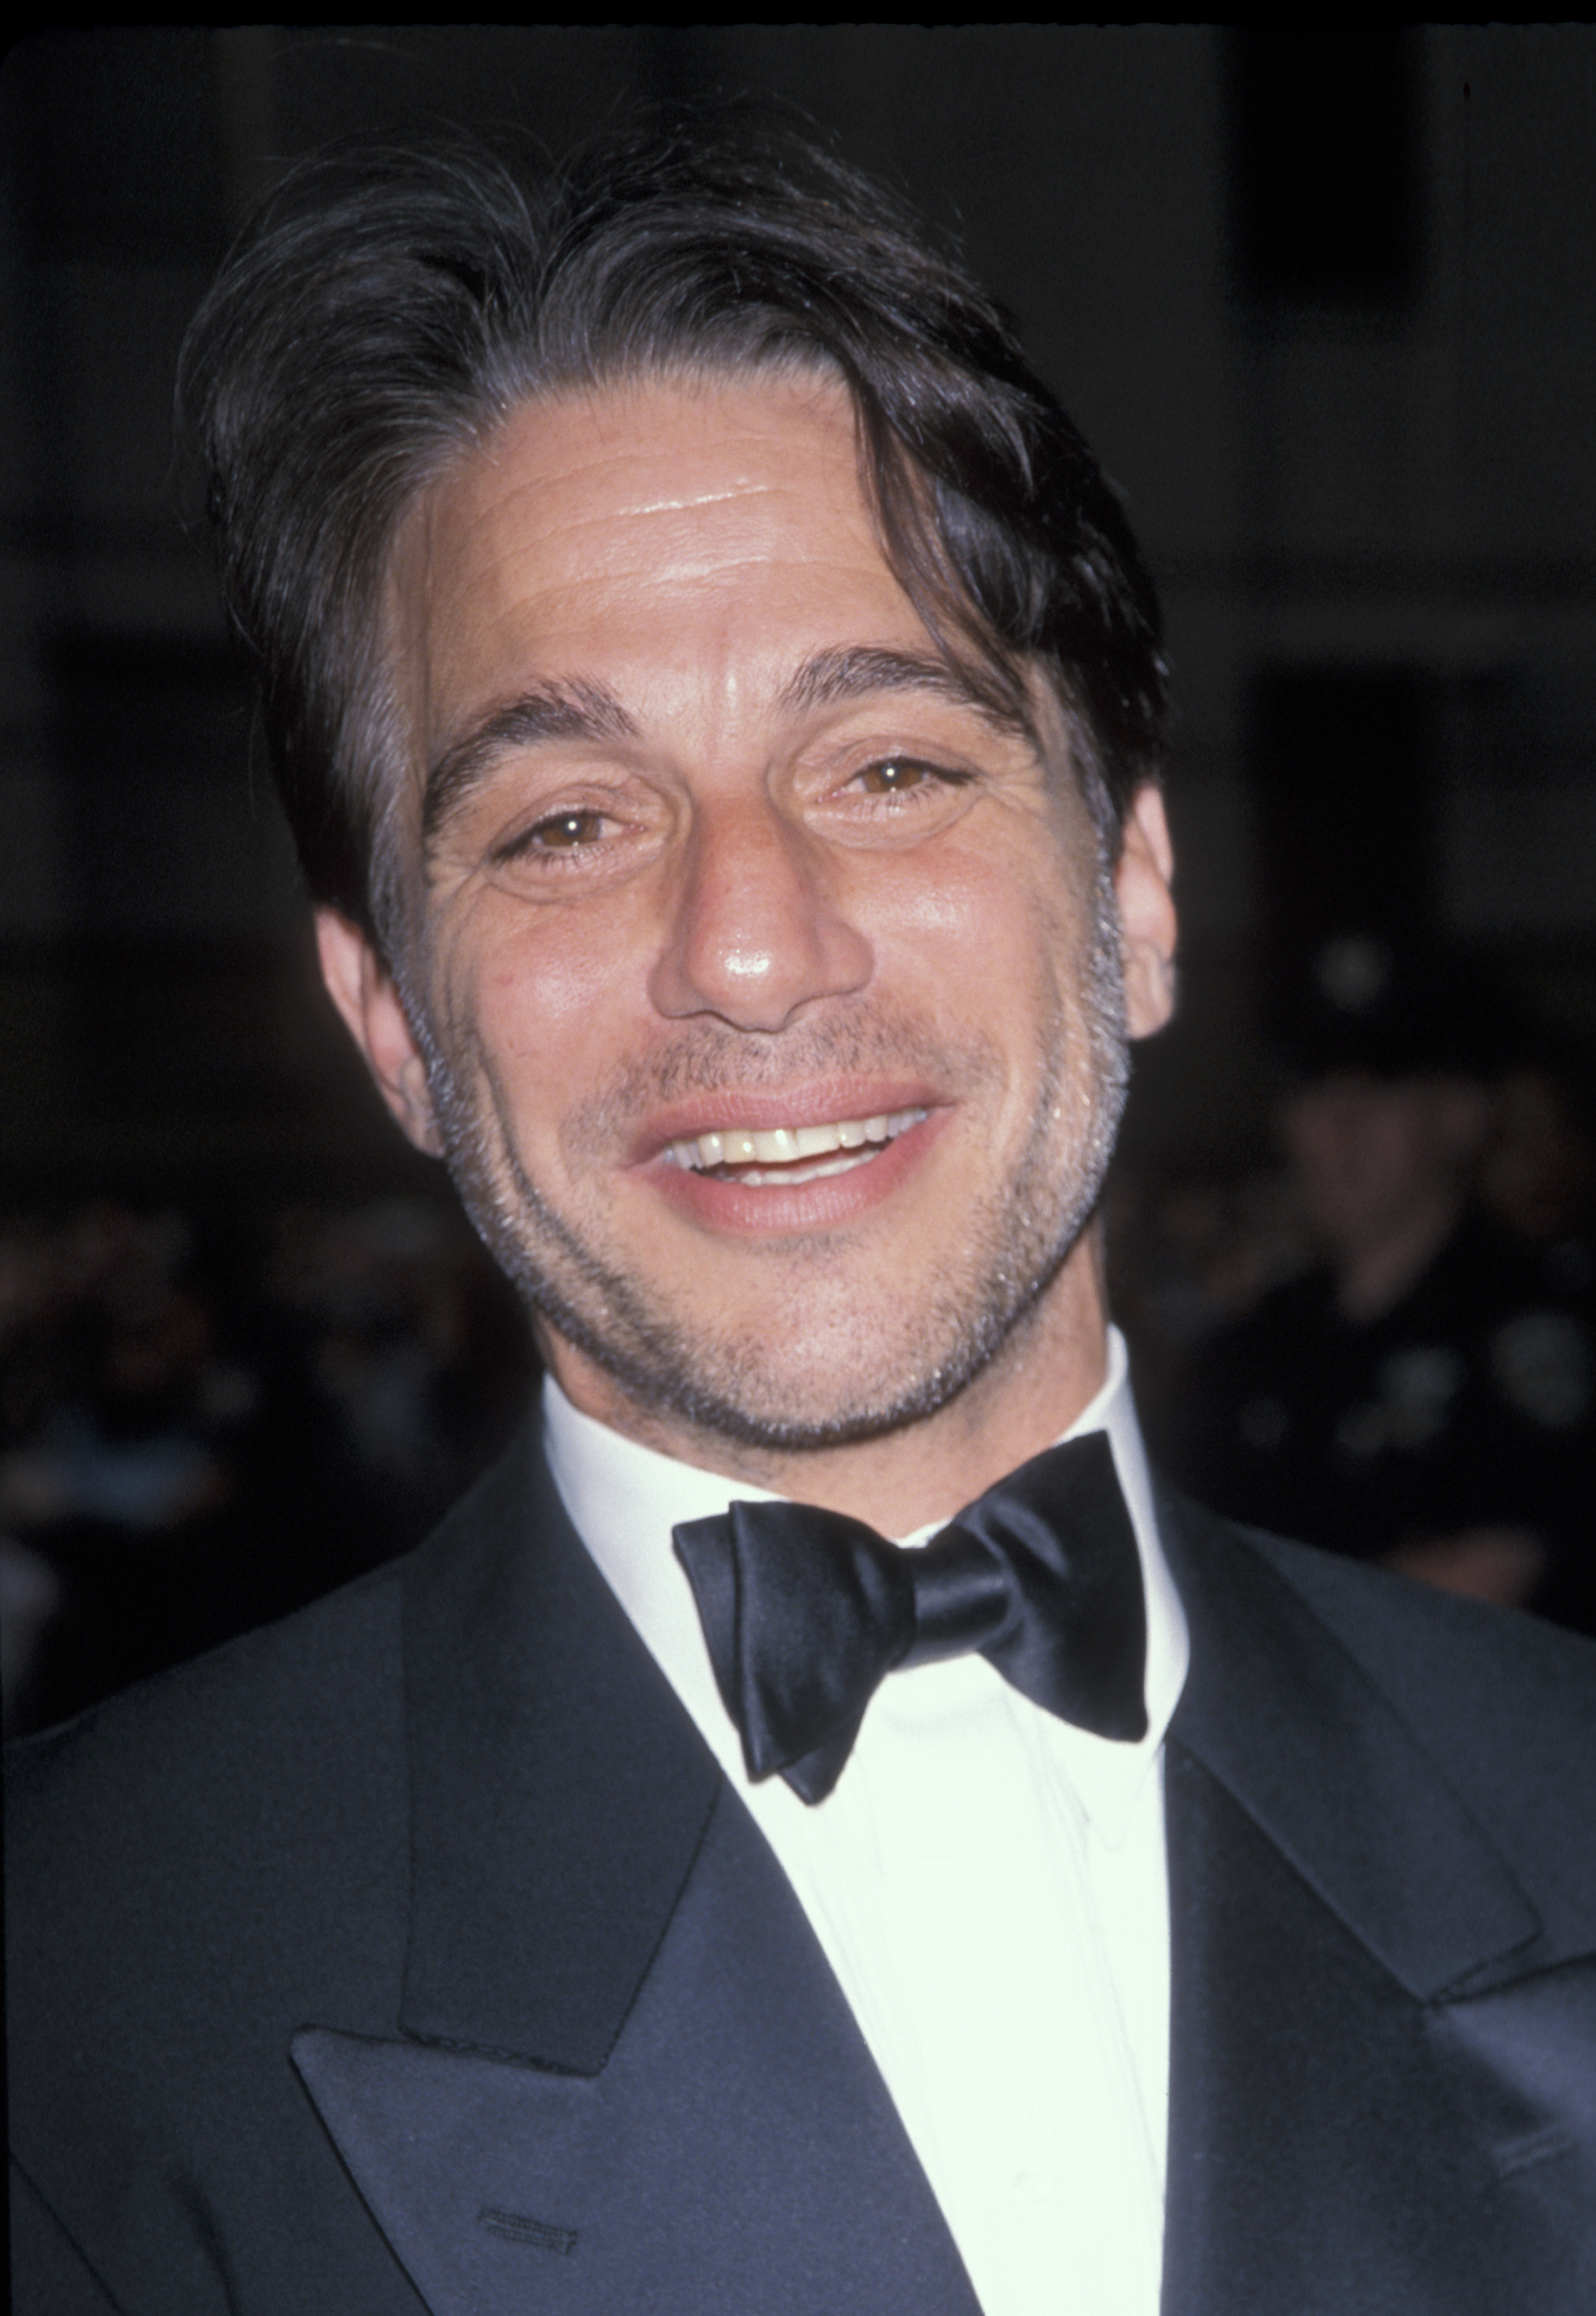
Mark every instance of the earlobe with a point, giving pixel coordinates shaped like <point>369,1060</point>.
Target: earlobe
<point>362,989</point>
<point>1142,879</point>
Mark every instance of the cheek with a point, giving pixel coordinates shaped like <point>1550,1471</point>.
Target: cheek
<point>545,994</point>
<point>981,931</point>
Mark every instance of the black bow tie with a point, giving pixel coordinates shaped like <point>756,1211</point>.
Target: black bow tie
<point>806,1612</point>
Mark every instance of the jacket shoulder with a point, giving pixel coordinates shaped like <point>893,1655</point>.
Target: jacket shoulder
<point>1481,1677</point>
<point>247,1802</point>
<point>297,1708</point>
<point>1503,1703</point>
<point>271,1708</point>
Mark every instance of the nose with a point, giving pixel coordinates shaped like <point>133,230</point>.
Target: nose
<point>758,932</point>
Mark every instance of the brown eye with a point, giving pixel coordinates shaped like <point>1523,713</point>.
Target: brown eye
<point>566,831</point>
<point>893,778</point>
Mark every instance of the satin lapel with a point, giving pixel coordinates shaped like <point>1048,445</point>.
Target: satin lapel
<point>631,2080</point>
<point>559,1792</point>
<point>738,2150</point>
<point>1297,1732</point>
<point>1328,2155</point>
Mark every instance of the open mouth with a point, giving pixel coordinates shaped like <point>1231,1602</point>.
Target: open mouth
<point>790,1154</point>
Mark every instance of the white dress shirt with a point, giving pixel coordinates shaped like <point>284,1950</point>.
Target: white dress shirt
<point>988,1883</point>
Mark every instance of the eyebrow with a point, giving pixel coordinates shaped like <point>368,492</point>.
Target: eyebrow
<point>862,671</point>
<point>579,711</point>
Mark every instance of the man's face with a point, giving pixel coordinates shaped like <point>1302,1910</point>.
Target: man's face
<point>769,979</point>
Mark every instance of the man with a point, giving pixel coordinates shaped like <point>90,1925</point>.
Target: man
<point>720,705</point>
<point>1422,1397</point>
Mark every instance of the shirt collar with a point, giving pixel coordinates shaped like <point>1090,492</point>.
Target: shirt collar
<point>625,1499</point>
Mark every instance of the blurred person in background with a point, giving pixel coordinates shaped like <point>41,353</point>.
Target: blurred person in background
<point>123,1455</point>
<point>201,1427</point>
<point>1539,1175</point>
<point>1189,1250</point>
<point>412,1347</point>
<point>1424,1393</point>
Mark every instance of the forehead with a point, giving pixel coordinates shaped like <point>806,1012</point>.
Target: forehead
<point>707,528</point>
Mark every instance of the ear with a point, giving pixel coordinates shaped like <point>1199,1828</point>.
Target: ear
<point>1142,878</point>
<point>362,988</point>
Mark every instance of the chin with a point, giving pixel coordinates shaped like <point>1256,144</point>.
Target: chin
<point>864,1363</point>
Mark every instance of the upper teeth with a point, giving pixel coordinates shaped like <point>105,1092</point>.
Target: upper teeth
<point>780,1144</point>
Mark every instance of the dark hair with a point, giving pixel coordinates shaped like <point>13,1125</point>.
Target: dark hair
<point>386,307</point>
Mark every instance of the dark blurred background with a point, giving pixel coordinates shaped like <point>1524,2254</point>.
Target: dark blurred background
<point>1325,301</point>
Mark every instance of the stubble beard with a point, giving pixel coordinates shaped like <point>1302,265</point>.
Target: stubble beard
<point>743,1388</point>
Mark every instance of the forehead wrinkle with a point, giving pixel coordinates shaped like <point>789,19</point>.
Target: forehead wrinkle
<point>736,535</point>
<point>572,477</point>
<point>739,494</point>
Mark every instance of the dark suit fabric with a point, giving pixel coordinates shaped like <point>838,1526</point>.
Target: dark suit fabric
<point>415,1954</point>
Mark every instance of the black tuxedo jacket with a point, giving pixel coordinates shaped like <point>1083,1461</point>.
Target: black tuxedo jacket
<point>415,1954</point>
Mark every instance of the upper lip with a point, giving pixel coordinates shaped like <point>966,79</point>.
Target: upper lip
<point>763,1110</point>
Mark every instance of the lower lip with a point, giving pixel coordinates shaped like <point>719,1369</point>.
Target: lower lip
<point>720,1203</point>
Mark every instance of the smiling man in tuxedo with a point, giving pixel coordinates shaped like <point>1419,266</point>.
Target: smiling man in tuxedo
<point>719,702</point>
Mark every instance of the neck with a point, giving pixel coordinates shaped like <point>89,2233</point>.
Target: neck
<point>1373,1275</point>
<point>1047,1370</point>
